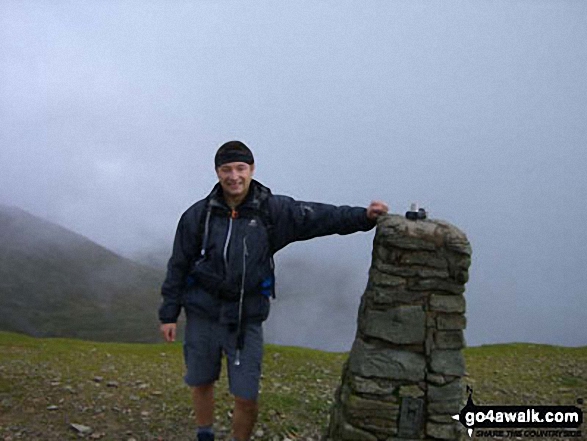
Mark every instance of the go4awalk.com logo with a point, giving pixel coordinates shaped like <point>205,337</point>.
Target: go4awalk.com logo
<point>521,421</point>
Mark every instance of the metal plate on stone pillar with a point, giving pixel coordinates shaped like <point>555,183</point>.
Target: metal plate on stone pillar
<point>410,417</point>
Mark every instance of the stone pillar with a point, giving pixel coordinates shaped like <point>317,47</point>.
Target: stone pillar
<point>402,380</point>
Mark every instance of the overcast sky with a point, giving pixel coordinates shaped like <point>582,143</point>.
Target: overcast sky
<point>111,112</point>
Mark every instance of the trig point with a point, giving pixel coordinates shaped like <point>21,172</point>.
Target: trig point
<point>402,380</point>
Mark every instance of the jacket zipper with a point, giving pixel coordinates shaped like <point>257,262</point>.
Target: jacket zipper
<point>237,361</point>
<point>226,242</point>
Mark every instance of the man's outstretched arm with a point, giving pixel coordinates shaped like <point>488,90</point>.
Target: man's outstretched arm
<point>299,220</point>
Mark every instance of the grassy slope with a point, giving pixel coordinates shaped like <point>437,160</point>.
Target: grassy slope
<point>150,401</point>
<point>54,282</point>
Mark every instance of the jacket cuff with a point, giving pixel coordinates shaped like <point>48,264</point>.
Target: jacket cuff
<point>167,321</point>
<point>368,223</point>
<point>169,314</point>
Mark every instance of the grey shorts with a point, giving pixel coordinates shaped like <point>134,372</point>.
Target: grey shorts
<point>206,341</point>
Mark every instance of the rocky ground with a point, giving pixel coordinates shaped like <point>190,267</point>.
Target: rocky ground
<point>67,389</point>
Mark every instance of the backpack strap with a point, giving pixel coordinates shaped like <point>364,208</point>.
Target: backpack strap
<point>263,213</point>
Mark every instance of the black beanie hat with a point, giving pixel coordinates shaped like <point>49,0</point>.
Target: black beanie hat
<point>233,151</point>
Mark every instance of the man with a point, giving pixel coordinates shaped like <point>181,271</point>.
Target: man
<point>221,272</point>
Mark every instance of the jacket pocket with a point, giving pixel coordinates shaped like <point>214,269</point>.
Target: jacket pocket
<point>197,299</point>
<point>257,307</point>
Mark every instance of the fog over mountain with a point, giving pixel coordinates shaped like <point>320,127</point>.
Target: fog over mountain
<point>110,115</point>
<point>55,283</point>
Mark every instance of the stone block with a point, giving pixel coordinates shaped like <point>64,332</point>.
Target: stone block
<point>436,379</point>
<point>453,238</point>
<point>426,273</point>
<point>377,416</point>
<point>383,280</point>
<point>444,407</point>
<point>451,321</point>
<point>411,391</point>
<point>336,418</point>
<point>458,261</point>
<point>449,392</point>
<point>350,433</point>
<point>458,243</point>
<point>395,270</point>
<point>346,391</point>
<point>461,276</point>
<point>447,362</point>
<point>436,285</point>
<point>401,325</point>
<point>432,233</point>
<point>449,339</point>
<point>441,431</point>
<point>407,243</point>
<point>380,253</point>
<point>391,297</point>
<point>424,258</point>
<point>369,361</point>
<point>447,303</point>
<point>371,387</point>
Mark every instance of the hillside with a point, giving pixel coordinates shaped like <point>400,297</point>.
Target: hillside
<point>54,282</point>
<point>135,391</point>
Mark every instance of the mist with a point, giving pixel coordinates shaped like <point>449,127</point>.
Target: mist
<point>110,115</point>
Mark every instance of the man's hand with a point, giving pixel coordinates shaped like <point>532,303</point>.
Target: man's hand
<point>376,209</point>
<point>168,330</point>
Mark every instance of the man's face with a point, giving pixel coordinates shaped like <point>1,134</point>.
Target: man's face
<point>235,178</point>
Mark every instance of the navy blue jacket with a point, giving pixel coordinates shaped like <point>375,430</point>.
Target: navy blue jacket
<point>238,251</point>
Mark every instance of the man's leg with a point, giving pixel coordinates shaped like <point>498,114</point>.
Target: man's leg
<point>244,418</point>
<point>203,355</point>
<point>203,399</point>
<point>244,378</point>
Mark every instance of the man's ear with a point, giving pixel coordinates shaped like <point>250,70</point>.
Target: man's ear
<point>252,168</point>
